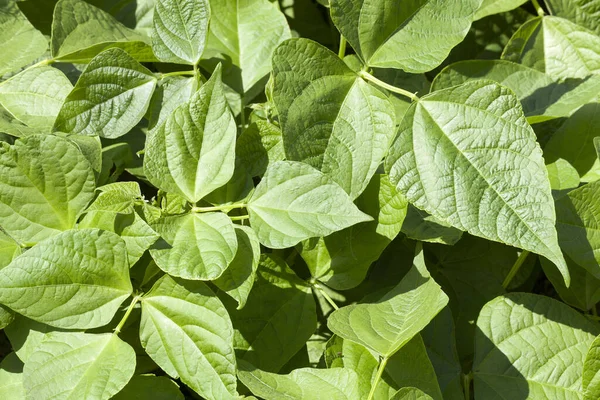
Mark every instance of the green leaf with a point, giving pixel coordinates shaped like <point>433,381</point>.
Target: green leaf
<point>25,335</point>
<point>578,226</point>
<point>530,344</point>
<point>418,225</point>
<point>563,176</point>
<point>243,36</point>
<point>110,97</point>
<point>555,46</point>
<point>278,318</point>
<point>77,280</point>
<point>192,152</point>
<point>388,324</point>
<point>259,145</point>
<point>574,142</point>
<point>331,118</point>
<point>238,278</point>
<point>11,378</point>
<point>171,92</point>
<point>301,384</point>
<point>197,246</point>
<point>597,145</point>
<point>541,96</point>
<point>78,365</point>
<point>186,330</point>
<point>342,259</point>
<point>35,96</point>
<point>482,172</point>
<point>294,202</point>
<point>12,126</point>
<point>45,184</point>
<point>415,38</point>
<point>9,249</point>
<point>180,30</point>
<point>410,393</point>
<point>80,31</point>
<point>591,372</point>
<point>146,387</point>
<point>21,42</point>
<point>489,7</point>
<point>582,12</point>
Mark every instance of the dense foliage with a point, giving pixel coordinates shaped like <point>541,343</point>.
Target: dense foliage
<point>353,199</point>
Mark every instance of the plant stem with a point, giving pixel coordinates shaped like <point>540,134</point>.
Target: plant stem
<point>218,208</point>
<point>325,295</point>
<point>467,385</point>
<point>239,218</point>
<point>382,365</point>
<point>515,268</point>
<point>538,8</point>
<point>369,77</point>
<point>129,310</point>
<point>342,50</point>
<point>178,73</point>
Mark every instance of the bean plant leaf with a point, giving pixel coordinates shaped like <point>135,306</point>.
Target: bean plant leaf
<point>419,225</point>
<point>259,145</point>
<point>395,318</point>
<point>489,7</point>
<point>78,365</point>
<point>515,332</point>
<point>195,246</point>
<point>597,145</point>
<point>497,186</point>
<point>415,38</point>
<point>192,152</point>
<point>238,278</point>
<point>75,280</point>
<point>243,36</point>
<point>170,93</point>
<point>45,183</point>
<point>591,372</point>
<point>150,387</point>
<point>186,330</point>
<point>294,202</point>
<point>80,31</point>
<point>9,249</point>
<point>110,97</point>
<point>350,124</point>
<point>301,384</point>
<point>180,30</point>
<point>35,96</point>
<point>555,46</point>
<point>21,42</point>
<point>410,393</point>
<point>582,12</point>
<point>11,378</point>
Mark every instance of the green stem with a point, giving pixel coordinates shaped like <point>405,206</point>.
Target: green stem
<point>538,8</point>
<point>325,295</point>
<point>467,385</point>
<point>515,268</point>
<point>127,313</point>
<point>178,73</point>
<point>377,378</point>
<point>239,218</point>
<point>342,50</point>
<point>369,77</point>
<point>218,208</point>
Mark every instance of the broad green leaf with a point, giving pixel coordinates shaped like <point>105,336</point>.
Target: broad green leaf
<point>259,145</point>
<point>11,378</point>
<point>238,278</point>
<point>147,387</point>
<point>410,393</point>
<point>585,13</point>
<point>418,225</point>
<point>391,322</point>
<point>171,92</point>
<point>416,37</point>
<point>110,97</point>
<point>25,335</point>
<point>35,96</point>
<point>80,31</point>
<point>197,246</point>
<point>530,346</point>
<point>331,118</point>
<point>117,197</point>
<point>555,46</point>
<point>77,365</point>
<point>563,176</point>
<point>192,152</point>
<point>12,126</point>
<point>45,183</point>
<point>574,142</point>
<point>278,318</point>
<point>301,384</point>
<point>584,290</point>
<point>243,35</point>
<point>541,96</point>
<point>578,226</point>
<point>467,156</point>
<point>180,30</point>
<point>489,7</point>
<point>21,42</point>
<point>77,279</point>
<point>186,330</point>
<point>9,249</point>
<point>294,202</point>
<point>7,316</point>
<point>591,372</point>
<point>342,259</point>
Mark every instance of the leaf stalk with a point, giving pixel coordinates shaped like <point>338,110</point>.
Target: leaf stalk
<point>342,50</point>
<point>538,8</point>
<point>219,208</point>
<point>177,73</point>
<point>367,76</point>
<point>325,295</point>
<point>127,313</point>
<point>515,268</point>
<point>382,365</point>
